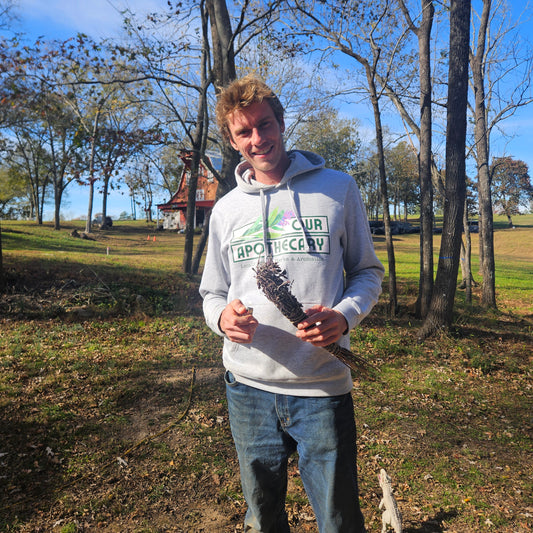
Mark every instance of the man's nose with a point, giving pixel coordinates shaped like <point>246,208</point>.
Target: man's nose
<point>256,136</point>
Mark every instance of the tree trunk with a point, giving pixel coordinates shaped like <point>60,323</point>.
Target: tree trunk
<point>223,73</point>
<point>40,216</point>
<point>191,212</point>
<point>466,259</point>
<point>133,208</point>
<point>92,179</point>
<point>105,195</point>
<point>393,296</point>
<point>441,308</point>
<point>2,275</point>
<point>198,141</point>
<point>57,209</point>
<point>200,247</point>
<point>481,135</point>
<point>88,222</point>
<point>425,285</point>
<point>55,180</point>
<point>222,39</point>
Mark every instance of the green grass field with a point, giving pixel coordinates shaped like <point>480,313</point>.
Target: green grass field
<point>112,403</point>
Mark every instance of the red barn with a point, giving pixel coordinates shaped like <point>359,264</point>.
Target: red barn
<point>174,211</point>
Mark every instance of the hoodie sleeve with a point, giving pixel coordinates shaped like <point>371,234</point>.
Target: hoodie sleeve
<point>215,283</point>
<point>363,270</point>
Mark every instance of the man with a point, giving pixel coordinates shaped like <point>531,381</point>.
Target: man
<point>285,392</point>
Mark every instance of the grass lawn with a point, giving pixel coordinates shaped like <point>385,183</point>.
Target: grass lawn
<point>113,415</point>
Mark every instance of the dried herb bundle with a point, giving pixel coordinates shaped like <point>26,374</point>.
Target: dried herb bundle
<point>277,288</point>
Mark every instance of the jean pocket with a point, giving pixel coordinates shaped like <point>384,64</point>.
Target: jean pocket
<point>230,380</point>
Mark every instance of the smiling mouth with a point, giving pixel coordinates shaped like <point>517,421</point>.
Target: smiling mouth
<point>263,152</point>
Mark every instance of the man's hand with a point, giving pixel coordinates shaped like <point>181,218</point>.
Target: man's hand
<point>238,323</point>
<point>323,326</point>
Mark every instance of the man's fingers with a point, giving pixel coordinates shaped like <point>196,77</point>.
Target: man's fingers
<point>238,323</point>
<point>322,327</point>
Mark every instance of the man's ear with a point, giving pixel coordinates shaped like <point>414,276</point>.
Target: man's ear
<point>282,125</point>
<point>233,143</point>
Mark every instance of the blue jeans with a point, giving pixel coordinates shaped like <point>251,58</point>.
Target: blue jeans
<point>267,428</point>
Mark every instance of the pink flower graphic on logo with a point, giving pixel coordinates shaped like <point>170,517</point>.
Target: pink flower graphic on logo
<point>287,216</point>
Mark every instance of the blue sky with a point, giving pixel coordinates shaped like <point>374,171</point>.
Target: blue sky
<point>64,18</point>
<point>61,19</point>
<point>101,18</point>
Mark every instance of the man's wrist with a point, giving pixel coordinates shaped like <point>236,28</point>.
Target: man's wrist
<point>346,325</point>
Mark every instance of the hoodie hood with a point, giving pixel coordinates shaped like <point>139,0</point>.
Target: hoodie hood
<point>300,163</point>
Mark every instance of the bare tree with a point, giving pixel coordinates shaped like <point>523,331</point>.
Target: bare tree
<point>495,58</point>
<point>198,139</point>
<point>223,72</point>
<point>182,94</point>
<point>29,156</point>
<point>477,62</point>
<point>226,43</point>
<point>442,302</point>
<point>423,33</point>
<point>358,39</point>
<point>64,149</point>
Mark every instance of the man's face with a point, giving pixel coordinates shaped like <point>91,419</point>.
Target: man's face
<point>258,136</point>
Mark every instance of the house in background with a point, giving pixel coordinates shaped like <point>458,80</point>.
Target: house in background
<point>172,214</point>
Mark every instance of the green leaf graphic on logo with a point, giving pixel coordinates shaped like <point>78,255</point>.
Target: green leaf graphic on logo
<point>274,219</point>
<point>254,228</point>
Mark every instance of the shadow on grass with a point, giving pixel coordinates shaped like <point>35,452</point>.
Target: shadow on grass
<point>67,463</point>
<point>434,524</point>
<point>49,287</point>
<point>29,470</point>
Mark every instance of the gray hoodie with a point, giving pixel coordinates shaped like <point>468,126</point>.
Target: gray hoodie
<point>314,225</point>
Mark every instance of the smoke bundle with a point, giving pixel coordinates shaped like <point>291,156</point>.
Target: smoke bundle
<point>277,288</point>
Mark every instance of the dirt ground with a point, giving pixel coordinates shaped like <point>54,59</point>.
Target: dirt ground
<point>116,422</point>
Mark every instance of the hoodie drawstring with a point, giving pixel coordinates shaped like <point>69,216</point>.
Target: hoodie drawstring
<point>265,224</point>
<point>264,216</point>
<point>296,211</point>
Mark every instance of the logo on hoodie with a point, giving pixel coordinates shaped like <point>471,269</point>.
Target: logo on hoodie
<point>285,236</point>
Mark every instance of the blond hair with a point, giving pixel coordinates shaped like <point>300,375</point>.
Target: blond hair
<point>239,95</point>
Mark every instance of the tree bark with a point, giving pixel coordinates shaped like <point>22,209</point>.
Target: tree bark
<point>425,286</point>
<point>198,149</point>
<point>92,179</point>
<point>393,296</point>
<point>2,276</point>
<point>440,313</point>
<point>200,247</point>
<point>481,136</point>
<point>223,73</point>
<point>58,193</point>
<point>466,256</point>
<point>191,208</point>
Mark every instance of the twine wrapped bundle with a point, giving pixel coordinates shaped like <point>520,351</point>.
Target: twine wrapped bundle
<point>277,288</point>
